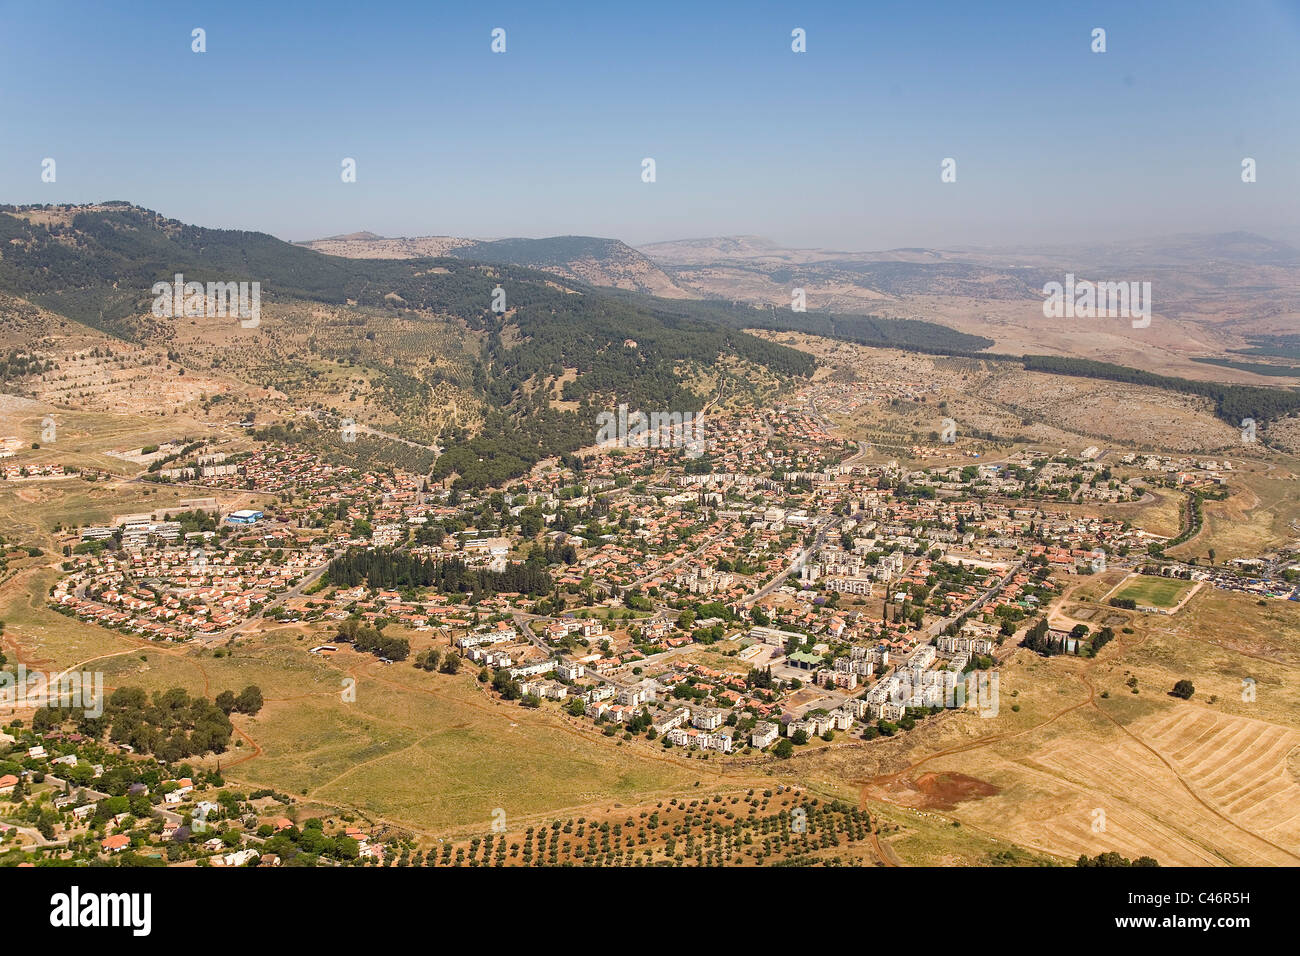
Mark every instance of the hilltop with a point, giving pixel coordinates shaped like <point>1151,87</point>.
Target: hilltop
<point>594,261</point>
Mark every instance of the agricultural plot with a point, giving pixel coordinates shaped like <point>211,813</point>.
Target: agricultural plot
<point>1239,765</point>
<point>1081,797</point>
<point>1100,758</point>
<point>1182,785</point>
<point>725,829</point>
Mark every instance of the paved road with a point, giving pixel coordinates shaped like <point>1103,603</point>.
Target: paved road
<point>296,591</point>
<point>936,627</point>
<point>831,525</point>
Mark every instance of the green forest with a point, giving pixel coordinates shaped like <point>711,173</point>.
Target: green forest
<point>382,568</point>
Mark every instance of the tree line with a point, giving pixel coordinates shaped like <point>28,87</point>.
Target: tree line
<point>1232,403</point>
<point>396,569</point>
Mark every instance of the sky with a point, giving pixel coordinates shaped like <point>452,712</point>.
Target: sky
<point>837,147</point>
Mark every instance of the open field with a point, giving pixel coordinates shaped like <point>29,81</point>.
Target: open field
<point>433,752</point>
<point>84,439</point>
<point>1132,794</point>
<point>30,510</point>
<point>1153,591</point>
<point>46,641</point>
<point>1093,588</point>
<point>426,752</point>
<point>1132,415</point>
<point>1076,762</point>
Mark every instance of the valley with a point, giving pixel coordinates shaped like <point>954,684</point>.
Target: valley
<point>480,633</point>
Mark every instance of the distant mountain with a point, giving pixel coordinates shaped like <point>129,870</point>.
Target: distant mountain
<point>352,237</point>
<point>367,245</point>
<point>599,262</point>
<point>758,271</point>
<point>1178,250</point>
<point>1188,250</point>
<point>756,249</point>
<point>695,251</point>
<point>1211,293</point>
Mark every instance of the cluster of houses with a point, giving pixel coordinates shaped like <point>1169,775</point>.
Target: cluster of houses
<point>19,472</point>
<point>174,592</point>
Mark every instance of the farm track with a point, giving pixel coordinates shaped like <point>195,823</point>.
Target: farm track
<point>975,744</point>
<point>887,856</point>
<point>1187,785</point>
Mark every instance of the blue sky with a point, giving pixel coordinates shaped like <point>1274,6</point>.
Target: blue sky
<point>839,147</point>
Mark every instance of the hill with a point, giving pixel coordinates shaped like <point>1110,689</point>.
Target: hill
<point>594,261</point>
<point>413,345</point>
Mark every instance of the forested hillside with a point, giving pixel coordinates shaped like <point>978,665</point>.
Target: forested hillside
<point>97,265</point>
<point>869,330</point>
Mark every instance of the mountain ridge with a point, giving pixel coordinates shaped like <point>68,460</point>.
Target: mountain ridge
<point>596,261</point>
<point>420,341</point>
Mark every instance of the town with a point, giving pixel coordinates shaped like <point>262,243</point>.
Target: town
<point>778,591</point>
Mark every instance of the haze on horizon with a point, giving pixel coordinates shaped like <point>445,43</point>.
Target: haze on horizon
<point>839,147</point>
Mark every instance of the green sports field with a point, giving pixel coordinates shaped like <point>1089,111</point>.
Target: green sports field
<point>1155,592</point>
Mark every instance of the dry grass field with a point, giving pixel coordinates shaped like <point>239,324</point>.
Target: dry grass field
<point>30,510</point>
<point>1262,513</point>
<point>429,753</point>
<point>434,752</point>
<point>1131,792</point>
<point>1085,765</point>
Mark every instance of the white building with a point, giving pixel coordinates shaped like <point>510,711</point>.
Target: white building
<point>569,670</point>
<point>764,734</point>
<point>706,719</point>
